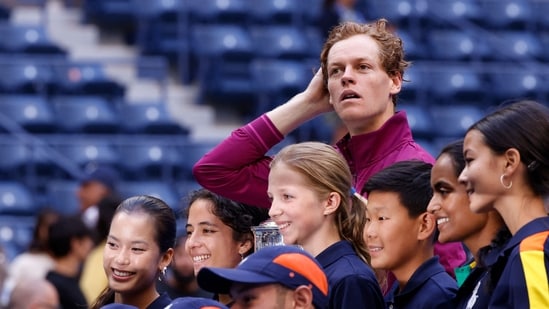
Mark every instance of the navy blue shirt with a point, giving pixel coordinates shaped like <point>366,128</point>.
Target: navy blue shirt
<point>353,283</point>
<point>429,287</point>
<point>475,292</point>
<point>525,278</point>
<point>160,302</point>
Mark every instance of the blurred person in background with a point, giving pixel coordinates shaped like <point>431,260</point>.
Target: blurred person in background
<point>180,280</point>
<point>33,293</point>
<point>37,260</point>
<point>93,279</point>
<point>96,185</point>
<point>70,241</point>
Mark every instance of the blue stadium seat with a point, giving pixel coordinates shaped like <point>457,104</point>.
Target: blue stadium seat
<point>21,160</point>
<point>85,152</point>
<point>61,195</point>
<point>224,54</point>
<point>540,9</point>
<point>194,151</point>
<point>456,82</point>
<point>149,118</point>
<point>419,120</point>
<point>85,114</point>
<point>27,39</point>
<point>276,81</point>
<point>24,76</point>
<point>413,45</point>
<point>453,13</point>
<point>111,13</point>
<point>32,113</point>
<point>84,78</point>
<point>415,83</point>
<point>215,11</point>
<point>16,199</point>
<point>402,13</point>
<point>150,159</point>
<point>277,11</point>
<point>514,82</point>
<point>456,45</point>
<point>15,234</point>
<point>275,41</point>
<point>544,41</point>
<point>452,121</point>
<point>165,191</point>
<point>506,14</point>
<point>514,45</point>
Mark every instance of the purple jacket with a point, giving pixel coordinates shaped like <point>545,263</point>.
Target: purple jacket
<point>238,168</point>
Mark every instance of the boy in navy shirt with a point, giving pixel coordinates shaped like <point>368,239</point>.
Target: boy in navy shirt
<point>400,234</point>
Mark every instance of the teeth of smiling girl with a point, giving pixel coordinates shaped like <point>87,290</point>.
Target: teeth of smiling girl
<point>122,273</point>
<point>283,225</point>
<point>200,258</point>
<point>442,220</point>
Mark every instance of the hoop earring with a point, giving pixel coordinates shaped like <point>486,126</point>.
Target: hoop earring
<point>503,184</point>
<point>162,274</point>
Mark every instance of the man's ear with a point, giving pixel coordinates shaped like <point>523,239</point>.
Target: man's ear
<point>427,225</point>
<point>303,297</point>
<point>332,203</point>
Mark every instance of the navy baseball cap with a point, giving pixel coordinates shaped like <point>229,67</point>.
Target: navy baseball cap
<point>289,266</point>
<point>195,303</point>
<point>105,175</point>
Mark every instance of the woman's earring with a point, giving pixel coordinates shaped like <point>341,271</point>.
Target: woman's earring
<point>503,184</point>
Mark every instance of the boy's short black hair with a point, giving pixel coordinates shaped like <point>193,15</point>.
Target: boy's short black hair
<point>411,180</point>
<point>63,231</point>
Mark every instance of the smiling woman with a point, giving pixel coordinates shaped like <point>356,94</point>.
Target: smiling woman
<point>139,248</point>
<point>219,231</point>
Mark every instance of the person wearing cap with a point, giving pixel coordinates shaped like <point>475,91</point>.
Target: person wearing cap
<point>95,186</point>
<point>273,277</point>
<point>195,303</point>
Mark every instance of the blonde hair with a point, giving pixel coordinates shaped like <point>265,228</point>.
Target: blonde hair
<point>326,171</point>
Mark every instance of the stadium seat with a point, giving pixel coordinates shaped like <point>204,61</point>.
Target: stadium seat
<point>159,189</point>
<point>111,13</point>
<point>21,160</point>
<point>85,114</point>
<point>215,11</point>
<point>452,121</point>
<point>413,46</point>
<point>224,54</point>
<point>419,120</point>
<point>277,12</point>
<point>453,13</point>
<point>274,41</point>
<point>149,118</point>
<point>415,83</point>
<point>32,113</point>
<point>506,14</point>
<point>455,82</point>
<point>24,76</point>
<point>16,199</point>
<point>540,9</point>
<point>544,41</point>
<point>514,82</point>
<point>276,81</point>
<point>62,197</point>
<point>401,13</point>
<point>84,78</point>
<point>150,159</point>
<point>27,39</point>
<point>456,45</point>
<point>514,45</point>
<point>85,152</point>
<point>15,235</point>
<point>194,151</point>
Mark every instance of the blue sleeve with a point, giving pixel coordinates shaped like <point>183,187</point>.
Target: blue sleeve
<point>353,291</point>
